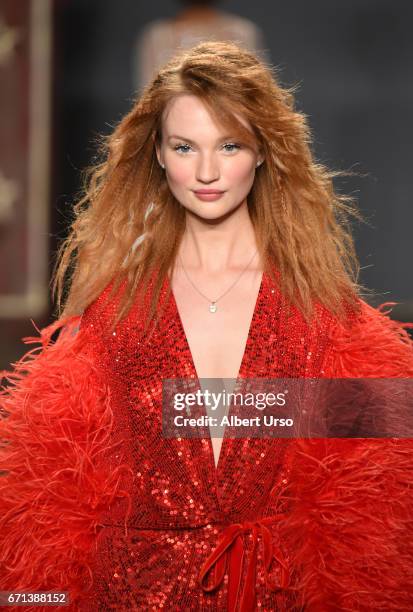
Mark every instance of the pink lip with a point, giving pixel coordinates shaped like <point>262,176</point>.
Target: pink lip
<point>208,191</point>
<point>209,195</point>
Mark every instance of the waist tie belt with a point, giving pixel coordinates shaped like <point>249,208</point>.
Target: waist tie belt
<point>231,546</point>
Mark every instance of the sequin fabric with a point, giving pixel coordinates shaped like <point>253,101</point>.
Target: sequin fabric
<point>149,552</point>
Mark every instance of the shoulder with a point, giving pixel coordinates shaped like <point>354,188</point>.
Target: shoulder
<point>368,343</point>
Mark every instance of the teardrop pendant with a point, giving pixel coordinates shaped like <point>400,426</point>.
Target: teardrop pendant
<point>213,307</point>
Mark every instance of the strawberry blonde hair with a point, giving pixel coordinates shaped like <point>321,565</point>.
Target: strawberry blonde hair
<point>128,223</point>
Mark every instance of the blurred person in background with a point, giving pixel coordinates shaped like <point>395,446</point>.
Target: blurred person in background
<point>242,266</point>
<point>200,20</point>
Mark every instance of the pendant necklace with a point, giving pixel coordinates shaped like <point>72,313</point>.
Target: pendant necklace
<point>213,303</point>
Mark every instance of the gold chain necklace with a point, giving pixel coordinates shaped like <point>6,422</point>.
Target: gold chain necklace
<point>213,303</point>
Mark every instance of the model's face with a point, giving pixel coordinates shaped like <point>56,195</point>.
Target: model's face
<point>199,155</point>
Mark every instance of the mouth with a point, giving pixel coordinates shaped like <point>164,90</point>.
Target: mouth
<point>208,191</point>
<point>208,194</point>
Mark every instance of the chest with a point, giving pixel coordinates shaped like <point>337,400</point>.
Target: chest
<point>249,335</point>
<point>217,340</point>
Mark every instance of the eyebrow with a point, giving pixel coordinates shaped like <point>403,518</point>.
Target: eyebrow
<point>193,142</point>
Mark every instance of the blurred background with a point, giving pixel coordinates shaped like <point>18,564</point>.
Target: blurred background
<point>69,70</point>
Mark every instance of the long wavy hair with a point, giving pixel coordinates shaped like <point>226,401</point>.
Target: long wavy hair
<point>128,224</point>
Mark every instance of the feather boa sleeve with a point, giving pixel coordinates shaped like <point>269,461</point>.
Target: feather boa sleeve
<point>374,346</point>
<point>54,433</point>
<point>351,522</point>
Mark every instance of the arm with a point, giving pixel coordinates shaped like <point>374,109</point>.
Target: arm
<point>53,440</point>
<point>349,531</point>
<point>373,346</point>
<point>351,522</point>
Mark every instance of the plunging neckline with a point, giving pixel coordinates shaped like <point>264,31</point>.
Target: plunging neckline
<point>189,357</point>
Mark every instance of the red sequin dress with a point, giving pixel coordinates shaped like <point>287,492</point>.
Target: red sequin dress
<point>278,525</point>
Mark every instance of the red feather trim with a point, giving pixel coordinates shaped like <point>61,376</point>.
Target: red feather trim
<point>349,525</point>
<point>55,484</point>
<point>374,346</point>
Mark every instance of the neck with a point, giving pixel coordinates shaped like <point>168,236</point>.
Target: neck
<point>211,248</point>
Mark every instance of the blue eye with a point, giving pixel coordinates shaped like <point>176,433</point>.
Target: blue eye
<point>184,148</point>
<point>232,144</point>
<point>178,147</point>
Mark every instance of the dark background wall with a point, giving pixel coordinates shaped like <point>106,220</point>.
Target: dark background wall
<point>353,60</point>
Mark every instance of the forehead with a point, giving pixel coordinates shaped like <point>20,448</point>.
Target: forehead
<point>188,112</point>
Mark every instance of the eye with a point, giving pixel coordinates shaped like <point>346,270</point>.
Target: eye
<point>180,147</point>
<point>231,144</point>
<point>184,148</point>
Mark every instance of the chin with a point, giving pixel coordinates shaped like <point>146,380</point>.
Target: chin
<point>209,210</point>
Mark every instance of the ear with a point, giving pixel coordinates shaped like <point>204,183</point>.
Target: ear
<point>260,157</point>
<point>158,153</point>
<point>157,146</point>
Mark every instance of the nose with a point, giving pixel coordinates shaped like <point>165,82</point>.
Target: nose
<point>207,169</point>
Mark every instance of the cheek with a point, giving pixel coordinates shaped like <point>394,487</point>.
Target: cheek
<point>241,171</point>
<point>179,172</point>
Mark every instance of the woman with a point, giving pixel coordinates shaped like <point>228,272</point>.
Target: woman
<point>198,20</point>
<point>209,244</point>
